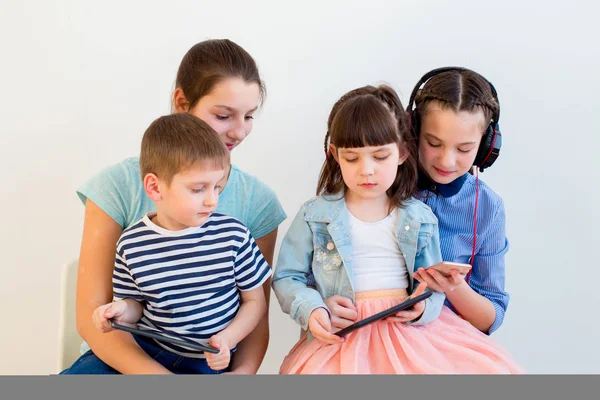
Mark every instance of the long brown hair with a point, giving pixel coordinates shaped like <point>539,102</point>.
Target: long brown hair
<point>209,62</point>
<point>369,116</point>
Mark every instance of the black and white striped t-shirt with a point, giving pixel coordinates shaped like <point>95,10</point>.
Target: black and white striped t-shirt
<point>188,280</point>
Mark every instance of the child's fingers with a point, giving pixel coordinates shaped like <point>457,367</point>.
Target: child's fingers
<point>344,313</point>
<point>428,279</point>
<point>456,277</point>
<point>318,330</point>
<point>219,361</point>
<point>409,315</point>
<point>116,309</point>
<point>420,290</point>
<point>414,312</point>
<point>425,277</point>
<point>329,338</point>
<point>417,276</point>
<point>341,323</point>
<point>341,308</point>
<point>99,320</point>
<point>215,342</point>
<point>441,280</point>
<point>100,311</point>
<point>217,365</point>
<point>346,303</point>
<point>110,312</point>
<point>324,333</point>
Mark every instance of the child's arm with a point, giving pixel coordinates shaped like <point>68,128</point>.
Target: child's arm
<point>291,273</point>
<point>484,300</point>
<point>251,311</point>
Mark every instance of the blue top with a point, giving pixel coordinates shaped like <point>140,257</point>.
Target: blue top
<point>454,204</point>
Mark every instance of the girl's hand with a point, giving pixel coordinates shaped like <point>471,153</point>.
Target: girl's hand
<point>127,311</point>
<point>319,324</point>
<point>220,361</point>
<point>438,282</point>
<point>343,311</point>
<point>412,313</point>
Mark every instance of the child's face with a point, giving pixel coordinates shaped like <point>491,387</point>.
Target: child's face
<point>448,142</point>
<point>369,171</point>
<point>229,109</point>
<point>190,198</point>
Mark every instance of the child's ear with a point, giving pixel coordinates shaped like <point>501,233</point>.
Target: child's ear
<point>403,154</point>
<point>151,187</point>
<point>180,102</point>
<point>333,151</point>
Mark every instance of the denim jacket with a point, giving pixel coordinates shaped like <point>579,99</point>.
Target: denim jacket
<point>319,240</point>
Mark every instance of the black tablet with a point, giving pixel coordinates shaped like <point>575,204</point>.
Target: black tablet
<point>385,313</point>
<point>155,335</point>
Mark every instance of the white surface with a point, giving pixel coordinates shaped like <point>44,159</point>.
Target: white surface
<point>81,81</point>
<point>69,340</point>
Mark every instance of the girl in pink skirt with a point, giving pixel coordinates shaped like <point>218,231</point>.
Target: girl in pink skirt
<point>363,237</point>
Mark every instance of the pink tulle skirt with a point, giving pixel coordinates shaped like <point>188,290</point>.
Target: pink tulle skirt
<point>448,345</point>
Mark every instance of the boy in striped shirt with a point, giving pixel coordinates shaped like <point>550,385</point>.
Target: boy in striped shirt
<point>185,271</point>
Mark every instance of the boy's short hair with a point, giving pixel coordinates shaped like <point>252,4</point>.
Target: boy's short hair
<point>175,142</point>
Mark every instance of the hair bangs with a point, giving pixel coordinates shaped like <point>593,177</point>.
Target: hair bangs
<point>364,122</point>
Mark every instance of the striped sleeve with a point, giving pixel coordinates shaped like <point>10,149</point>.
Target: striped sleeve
<point>124,285</point>
<point>251,269</point>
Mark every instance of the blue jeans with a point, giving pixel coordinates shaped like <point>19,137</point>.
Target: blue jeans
<point>90,364</point>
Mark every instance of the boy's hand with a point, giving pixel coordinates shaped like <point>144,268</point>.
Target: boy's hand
<point>127,311</point>
<point>319,324</point>
<point>437,281</point>
<point>220,361</point>
<point>412,313</point>
<point>343,311</point>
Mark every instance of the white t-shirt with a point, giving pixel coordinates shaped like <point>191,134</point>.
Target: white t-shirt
<point>377,262</point>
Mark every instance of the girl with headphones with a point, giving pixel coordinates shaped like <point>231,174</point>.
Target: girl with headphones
<point>454,115</point>
<point>455,121</point>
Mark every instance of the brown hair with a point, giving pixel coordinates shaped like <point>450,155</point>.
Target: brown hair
<point>175,142</point>
<point>209,62</point>
<point>458,91</point>
<point>369,116</point>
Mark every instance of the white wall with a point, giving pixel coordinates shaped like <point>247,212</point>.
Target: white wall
<point>80,81</point>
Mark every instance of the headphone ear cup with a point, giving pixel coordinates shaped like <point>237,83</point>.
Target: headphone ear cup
<point>489,148</point>
<point>415,124</point>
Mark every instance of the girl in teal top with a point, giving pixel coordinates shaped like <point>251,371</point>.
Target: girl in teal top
<point>217,81</point>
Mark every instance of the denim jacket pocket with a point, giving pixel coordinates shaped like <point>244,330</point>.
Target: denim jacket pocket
<point>326,258</point>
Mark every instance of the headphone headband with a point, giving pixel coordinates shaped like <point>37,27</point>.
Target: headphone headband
<point>440,70</point>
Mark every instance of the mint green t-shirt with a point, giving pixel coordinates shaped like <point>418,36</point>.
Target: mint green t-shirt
<point>119,192</point>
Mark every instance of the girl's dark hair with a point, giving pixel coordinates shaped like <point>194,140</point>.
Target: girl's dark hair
<point>369,116</point>
<point>209,62</point>
<point>458,91</point>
